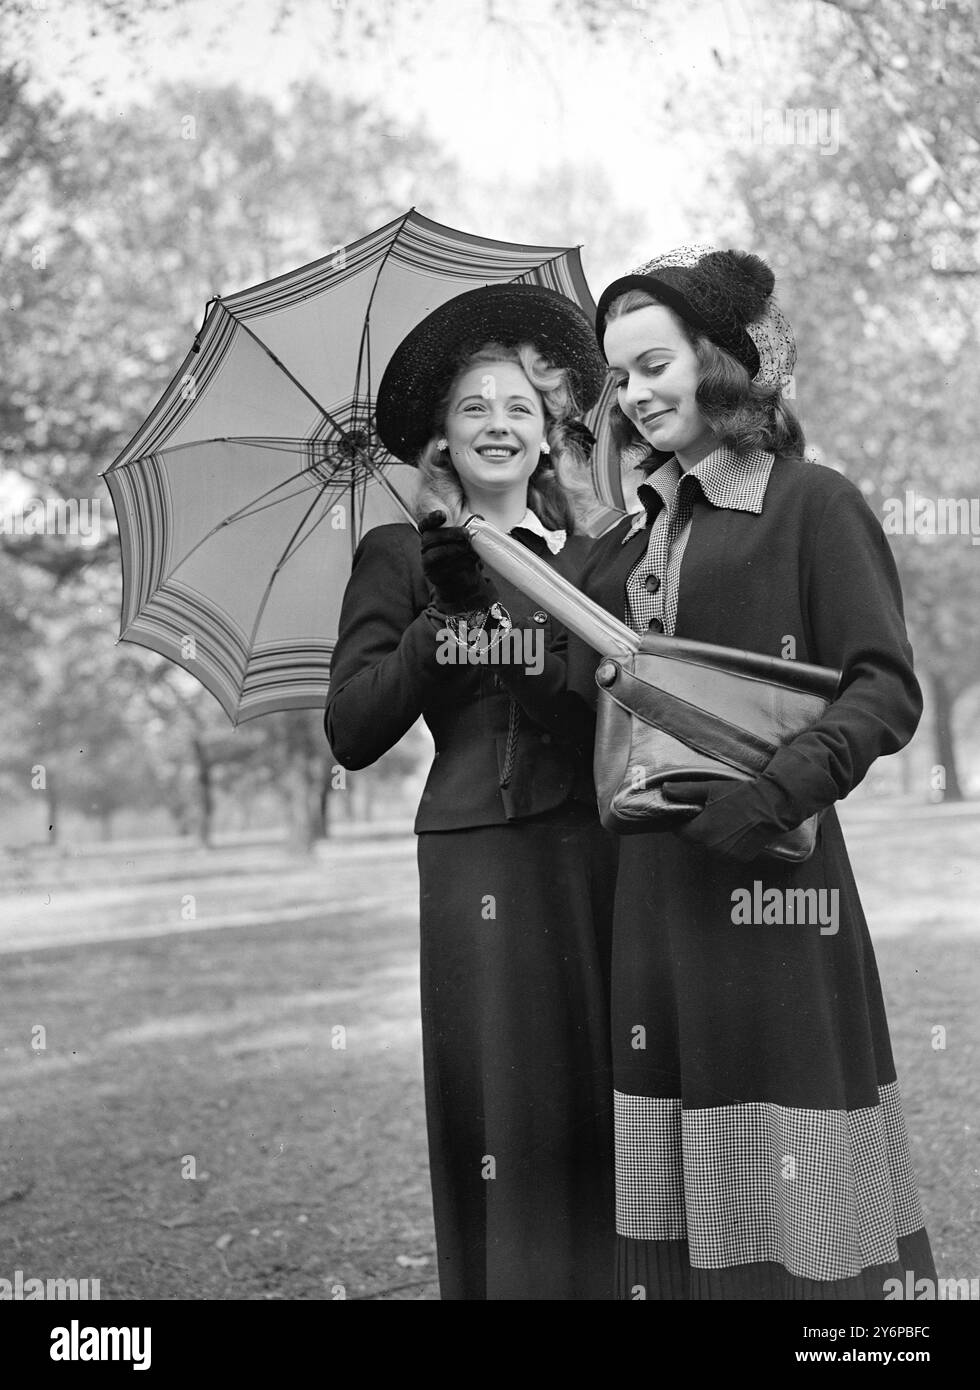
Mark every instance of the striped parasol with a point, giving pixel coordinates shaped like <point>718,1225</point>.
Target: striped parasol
<point>241,499</point>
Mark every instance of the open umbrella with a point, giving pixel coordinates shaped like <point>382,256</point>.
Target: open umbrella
<point>242,497</point>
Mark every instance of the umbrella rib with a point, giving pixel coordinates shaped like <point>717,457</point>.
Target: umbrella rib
<point>388,487</point>
<point>250,443</point>
<point>252,508</point>
<point>292,547</point>
<point>370,304</point>
<point>286,444</point>
<point>283,368</point>
<point>287,554</point>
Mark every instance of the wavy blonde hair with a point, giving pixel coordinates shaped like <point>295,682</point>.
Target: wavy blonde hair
<point>559,490</point>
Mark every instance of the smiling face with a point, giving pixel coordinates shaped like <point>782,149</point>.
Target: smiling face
<point>656,372</point>
<point>495,425</point>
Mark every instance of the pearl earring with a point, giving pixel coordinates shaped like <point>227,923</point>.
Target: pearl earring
<point>545,447</point>
<point>442,445</point>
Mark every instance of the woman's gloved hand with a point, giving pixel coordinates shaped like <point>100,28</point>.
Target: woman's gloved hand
<point>732,820</point>
<point>453,568</point>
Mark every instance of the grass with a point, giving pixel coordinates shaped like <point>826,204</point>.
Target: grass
<point>209,1044</point>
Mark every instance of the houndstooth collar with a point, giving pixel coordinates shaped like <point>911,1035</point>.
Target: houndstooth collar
<point>727,478</point>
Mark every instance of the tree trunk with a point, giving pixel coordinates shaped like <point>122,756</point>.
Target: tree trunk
<point>326,779</point>
<point>205,787</point>
<point>942,730</point>
<point>307,780</point>
<point>316,804</point>
<point>308,801</point>
<point>51,799</point>
<point>325,806</point>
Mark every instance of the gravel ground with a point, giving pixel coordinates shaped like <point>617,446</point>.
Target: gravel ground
<point>228,1104</point>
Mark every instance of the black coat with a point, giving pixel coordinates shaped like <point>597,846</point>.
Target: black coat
<point>385,674</point>
<point>739,1021</point>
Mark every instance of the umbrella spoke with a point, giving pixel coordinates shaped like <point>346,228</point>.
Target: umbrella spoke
<point>285,370</point>
<point>365,344</point>
<point>298,540</point>
<point>330,486</point>
<point>290,550</point>
<point>252,509</point>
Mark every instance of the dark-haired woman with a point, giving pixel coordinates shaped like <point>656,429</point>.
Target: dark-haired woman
<point>516,874</point>
<point>761,1150</point>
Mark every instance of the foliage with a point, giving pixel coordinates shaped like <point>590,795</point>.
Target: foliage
<point>116,236</point>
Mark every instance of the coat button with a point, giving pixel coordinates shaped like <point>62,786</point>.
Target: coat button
<point>539,617</point>
<point>607,673</point>
<point>545,738</point>
<point>655,625</point>
<point>652,583</point>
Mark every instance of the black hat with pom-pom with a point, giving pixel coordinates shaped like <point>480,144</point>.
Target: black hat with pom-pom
<point>727,296</point>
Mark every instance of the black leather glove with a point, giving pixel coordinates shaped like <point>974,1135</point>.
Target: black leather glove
<point>453,568</point>
<point>732,820</point>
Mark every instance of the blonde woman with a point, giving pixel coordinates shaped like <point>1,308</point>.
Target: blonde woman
<point>516,875</point>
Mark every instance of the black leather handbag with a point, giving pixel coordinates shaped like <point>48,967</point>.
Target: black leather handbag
<point>685,711</point>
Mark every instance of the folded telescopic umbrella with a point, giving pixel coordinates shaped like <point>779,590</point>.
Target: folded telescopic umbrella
<point>580,614</point>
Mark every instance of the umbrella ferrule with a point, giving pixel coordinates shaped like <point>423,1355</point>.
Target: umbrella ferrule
<point>196,345</point>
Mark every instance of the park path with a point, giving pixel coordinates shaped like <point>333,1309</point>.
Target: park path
<point>918,870</point>
<point>60,901</point>
<point>272,1043</point>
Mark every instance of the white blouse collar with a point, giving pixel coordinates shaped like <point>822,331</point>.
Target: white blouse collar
<point>554,540</point>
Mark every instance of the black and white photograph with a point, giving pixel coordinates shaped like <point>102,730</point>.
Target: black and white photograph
<point>490,633</point>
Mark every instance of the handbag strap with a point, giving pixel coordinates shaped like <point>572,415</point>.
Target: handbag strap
<point>698,728</point>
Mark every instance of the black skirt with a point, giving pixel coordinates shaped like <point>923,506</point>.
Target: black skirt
<point>515,943</point>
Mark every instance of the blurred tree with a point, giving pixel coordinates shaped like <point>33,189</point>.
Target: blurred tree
<point>888,345</point>
<point>116,231</point>
<point>68,737</point>
<point>132,228</point>
<point>922,60</point>
<point>571,204</point>
<point>115,236</point>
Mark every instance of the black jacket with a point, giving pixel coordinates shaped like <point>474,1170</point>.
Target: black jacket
<point>497,758</point>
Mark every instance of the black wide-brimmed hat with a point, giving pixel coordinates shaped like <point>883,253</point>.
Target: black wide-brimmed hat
<point>727,296</point>
<point>426,361</point>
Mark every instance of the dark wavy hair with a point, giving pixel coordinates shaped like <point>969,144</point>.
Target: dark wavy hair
<point>740,412</point>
